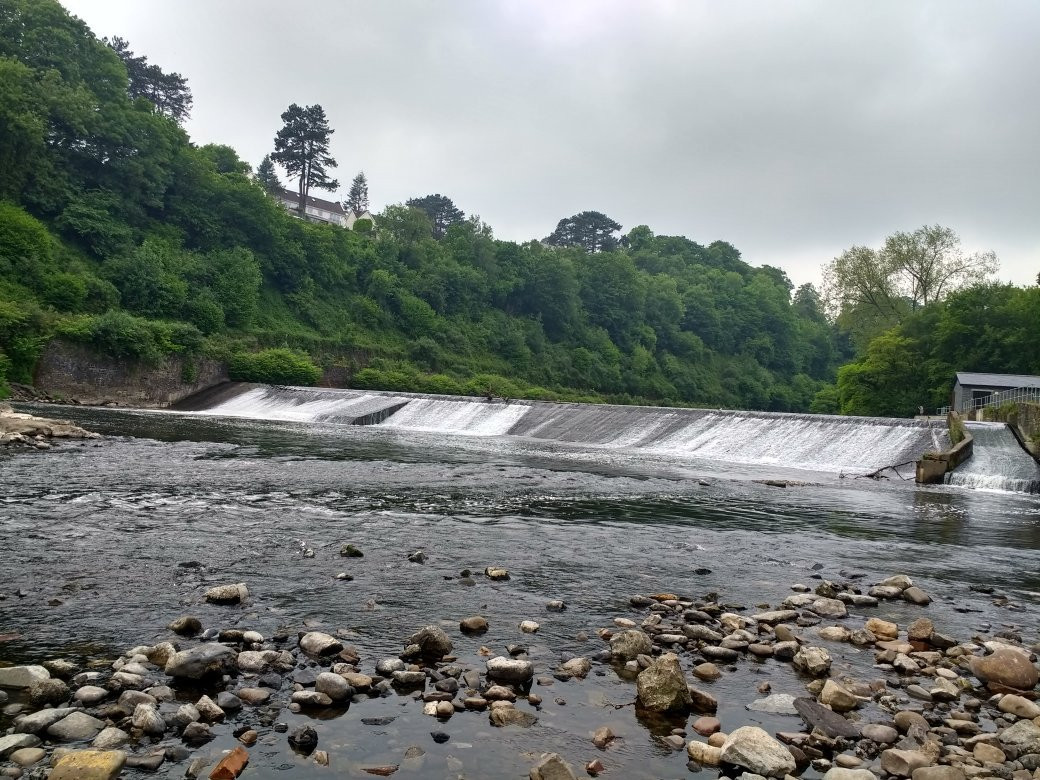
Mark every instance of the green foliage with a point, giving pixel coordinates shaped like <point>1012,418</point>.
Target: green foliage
<point>5,369</point>
<point>123,335</point>
<point>274,367</point>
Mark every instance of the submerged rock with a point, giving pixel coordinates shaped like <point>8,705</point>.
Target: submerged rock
<point>552,767</point>
<point>228,594</point>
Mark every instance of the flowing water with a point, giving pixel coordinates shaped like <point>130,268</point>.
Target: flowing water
<point>998,461</point>
<point>96,536</point>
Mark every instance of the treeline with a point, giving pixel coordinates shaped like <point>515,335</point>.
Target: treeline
<point>117,232</point>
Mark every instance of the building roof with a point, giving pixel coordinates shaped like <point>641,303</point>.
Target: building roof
<point>318,203</point>
<point>997,380</point>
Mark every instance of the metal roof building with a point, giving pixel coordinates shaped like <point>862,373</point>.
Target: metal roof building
<point>971,389</point>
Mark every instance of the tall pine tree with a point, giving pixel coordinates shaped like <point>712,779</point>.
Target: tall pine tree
<point>267,176</point>
<point>357,198</point>
<point>302,148</point>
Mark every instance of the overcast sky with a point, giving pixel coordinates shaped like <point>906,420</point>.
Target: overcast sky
<point>790,129</point>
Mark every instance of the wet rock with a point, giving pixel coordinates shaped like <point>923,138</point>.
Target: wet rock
<point>89,765</point>
<point>879,733</point>
<point>907,719</point>
<point>704,753</point>
<point>902,763</point>
<point>510,716</point>
<point>196,734</point>
<point>1005,668</point>
<point>1023,736</point>
<point>814,661</point>
<point>776,616</point>
<point>417,557</point>
<point>209,710</point>
<point>38,721</point>
<point>319,644</point>
<point>496,573</point>
<point>838,697</point>
<point>917,596</point>
<point>603,736</point>
<point>835,633</point>
<point>701,701</point>
<point>227,594</point>
<point>840,773</point>
<point>254,695</point>
<point>899,581</point>
<point>723,654</point>
<point>628,645</point>
<point>829,722</point>
<point>555,606</point>
<point>755,750</point>
<point>707,671</point>
<point>75,727</point>
<point>22,676</point>
<point>1018,706</point>
<point>14,742</point>
<point>529,626</point>
<point>885,592</point>
<point>201,661</point>
<point>777,704</point>
<point>409,679</point>
<point>48,692</point>
<point>576,667</point>
<point>920,630</point>
<point>350,551</point>
<point>939,773</point>
<point>28,756</point>
<point>312,699</point>
<point>228,702</point>
<point>387,666</point>
<point>432,641</point>
<point>988,754</point>
<point>706,726</point>
<point>333,686</point>
<point>231,765</point>
<point>882,629</point>
<point>473,625</point>
<point>829,608</point>
<point>110,738</point>
<point>786,650</point>
<point>147,719</point>
<point>186,625</point>
<point>511,669</point>
<point>662,687</point>
<point>552,767</point>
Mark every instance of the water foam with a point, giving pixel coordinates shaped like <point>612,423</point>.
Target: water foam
<point>998,462</point>
<point>469,418</point>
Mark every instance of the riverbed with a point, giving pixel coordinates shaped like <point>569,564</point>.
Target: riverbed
<point>105,542</point>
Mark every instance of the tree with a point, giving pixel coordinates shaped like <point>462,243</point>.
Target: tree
<point>590,230</point>
<point>168,92</point>
<point>302,148</point>
<point>267,176</point>
<point>440,209</point>
<point>357,198</point>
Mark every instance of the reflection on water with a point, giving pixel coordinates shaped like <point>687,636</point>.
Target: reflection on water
<point>102,527</point>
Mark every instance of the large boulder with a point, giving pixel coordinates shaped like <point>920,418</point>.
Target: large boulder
<point>227,594</point>
<point>552,767</point>
<point>432,641</point>
<point>319,644</point>
<point>22,676</point>
<point>902,763</point>
<point>89,765</point>
<point>201,661</point>
<point>1024,736</point>
<point>814,661</point>
<point>627,645</point>
<point>1006,668</point>
<point>510,669</point>
<point>76,727</point>
<point>753,749</point>
<point>662,687</point>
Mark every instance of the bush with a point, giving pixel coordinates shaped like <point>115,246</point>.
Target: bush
<point>5,366</point>
<point>119,334</point>
<point>274,367</point>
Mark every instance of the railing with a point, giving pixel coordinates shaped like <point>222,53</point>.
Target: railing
<point>1016,395</point>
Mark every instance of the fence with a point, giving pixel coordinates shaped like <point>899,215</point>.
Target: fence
<point>1017,395</point>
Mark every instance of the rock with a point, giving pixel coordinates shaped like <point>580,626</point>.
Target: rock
<point>879,733</point>
<point>829,608</point>
<point>318,644</point>
<point>510,716</point>
<point>603,736</point>
<point>988,754</point>
<point>628,645</point>
<point>110,738</point>
<point>702,701</point>
<point>48,692</point>
<point>76,727</point>
<point>227,594</point>
<point>255,695</point>
<point>829,722</point>
<point>662,687</point>
<point>920,630</point>
<point>594,767</point>
<point>1005,668</point>
<point>510,669</point>
<point>814,661</point>
<point>838,773</point>
<point>358,681</point>
<point>706,726</point>
<point>706,671</point>
<point>576,667</point>
<point>753,749</point>
<point>38,721</point>
<point>196,734</point>
<point>917,596</point>
<point>473,625</point>
<point>1024,736</point>
<point>432,641</point>
<point>835,633</point>
<point>311,699</point>
<point>89,765</point>
<point>409,679</point>
<point>902,763</point>
<point>723,654</point>
<point>202,661</point>
<point>231,765</point>
<point>496,573</point>
<point>939,773</point>
<point>907,719</point>
<point>529,626</point>
<point>350,551</point>
<point>90,695</point>
<point>417,557</point>
<point>776,616</point>
<point>786,650</point>
<point>556,605</point>
<point>387,666</point>
<point>777,704</point>
<point>334,686</point>
<point>900,581</point>
<point>1018,706</point>
<point>838,697</point>
<point>22,676</point>
<point>882,629</point>
<point>14,742</point>
<point>209,710</point>
<point>704,753</point>
<point>186,625</point>
<point>147,719</point>
<point>552,767</point>
<point>28,756</point>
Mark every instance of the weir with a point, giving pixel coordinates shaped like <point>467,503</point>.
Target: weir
<point>997,463</point>
<point>853,445</point>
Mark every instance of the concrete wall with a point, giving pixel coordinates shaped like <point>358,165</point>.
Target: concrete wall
<point>933,466</point>
<point>74,373</point>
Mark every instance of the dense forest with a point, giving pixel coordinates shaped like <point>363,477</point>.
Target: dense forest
<point>119,233</point>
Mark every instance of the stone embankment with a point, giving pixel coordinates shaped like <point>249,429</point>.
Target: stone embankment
<point>932,707</point>
<point>25,430</point>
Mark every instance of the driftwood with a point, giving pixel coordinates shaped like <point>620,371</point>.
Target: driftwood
<point>879,474</point>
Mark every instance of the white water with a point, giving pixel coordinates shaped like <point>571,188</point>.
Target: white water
<point>998,462</point>
<point>300,405</point>
<point>471,418</point>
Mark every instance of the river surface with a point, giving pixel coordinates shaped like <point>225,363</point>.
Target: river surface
<point>102,530</point>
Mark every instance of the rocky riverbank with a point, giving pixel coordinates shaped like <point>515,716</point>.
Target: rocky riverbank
<point>930,707</point>
<point>25,430</point>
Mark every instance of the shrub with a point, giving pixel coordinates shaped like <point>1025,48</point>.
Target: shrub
<point>5,366</point>
<point>274,367</point>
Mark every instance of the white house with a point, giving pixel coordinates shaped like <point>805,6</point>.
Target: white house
<point>316,209</point>
<point>353,217</point>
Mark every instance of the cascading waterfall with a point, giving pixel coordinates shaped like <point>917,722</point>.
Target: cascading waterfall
<point>998,461</point>
<point>298,404</point>
<point>473,418</point>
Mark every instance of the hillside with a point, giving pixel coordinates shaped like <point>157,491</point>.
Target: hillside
<point>117,232</point>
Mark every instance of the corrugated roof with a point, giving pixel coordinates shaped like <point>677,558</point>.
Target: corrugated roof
<point>997,380</point>
<point>318,203</point>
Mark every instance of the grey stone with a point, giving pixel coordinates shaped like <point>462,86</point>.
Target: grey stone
<point>334,686</point>
<point>38,721</point>
<point>110,738</point>
<point>839,773</point>
<point>227,594</point>
<point>551,767</point>
<point>627,645</point>
<point>319,644</point>
<point>22,676</point>
<point>48,692</point>
<point>433,642</point>
<point>755,750</point>
<point>662,687</point>
<point>147,719</point>
<point>512,669</point>
<point>76,727</point>
<point>201,661</point>
<point>90,694</point>
<point>829,722</point>
<point>14,742</point>
<point>777,704</point>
